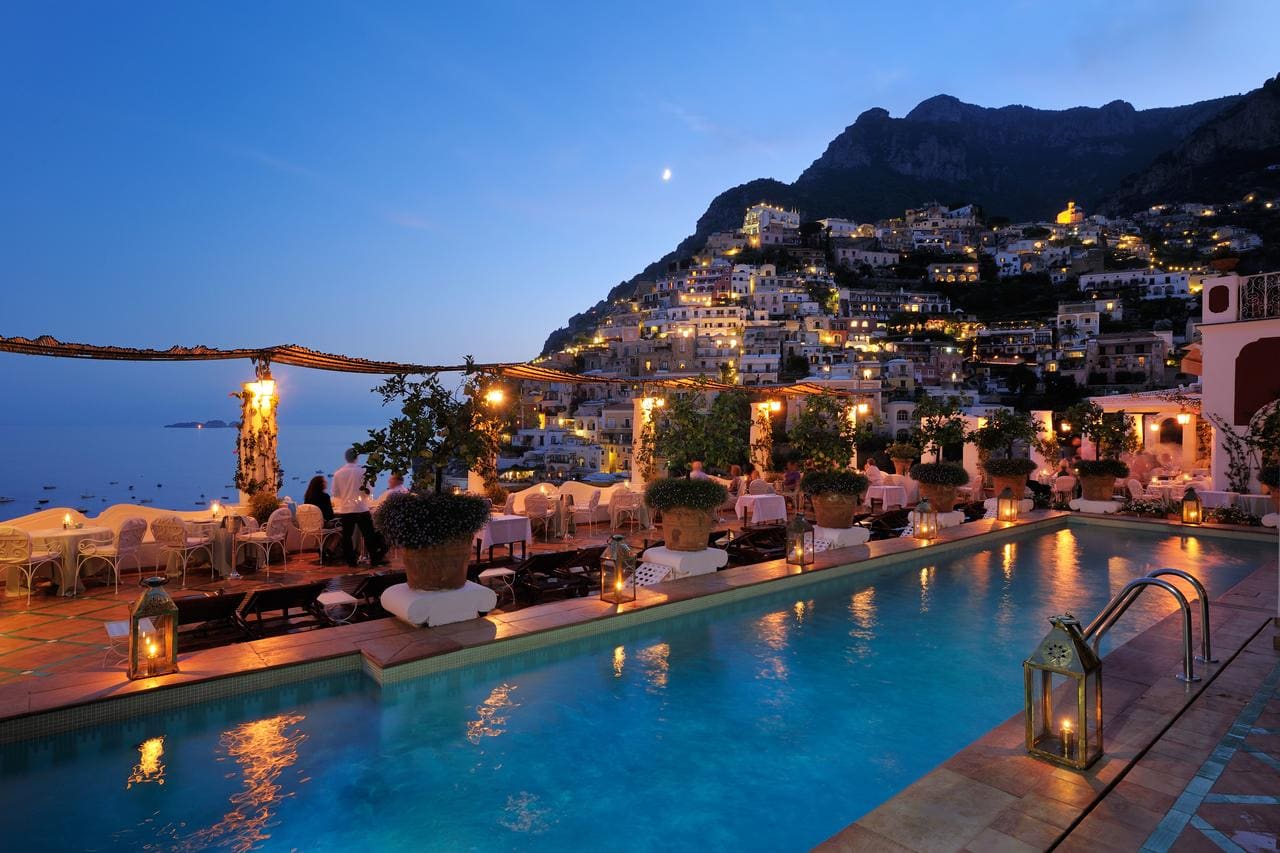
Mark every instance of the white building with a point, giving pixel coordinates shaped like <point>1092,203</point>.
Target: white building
<point>1153,283</point>
<point>761,217</point>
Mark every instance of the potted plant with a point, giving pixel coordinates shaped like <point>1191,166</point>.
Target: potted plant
<point>996,439</point>
<point>835,494</point>
<point>823,434</point>
<point>436,426</point>
<point>434,533</point>
<point>903,456</point>
<point>1111,435</point>
<point>262,503</point>
<point>688,510</point>
<point>938,483</point>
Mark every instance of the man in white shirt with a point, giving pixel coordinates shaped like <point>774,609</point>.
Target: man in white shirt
<point>696,472</point>
<point>395,486</point>
<point>350,505</point>
<point>874,475</point>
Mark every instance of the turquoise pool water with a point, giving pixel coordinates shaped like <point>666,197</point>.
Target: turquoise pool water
<point>766,724</point>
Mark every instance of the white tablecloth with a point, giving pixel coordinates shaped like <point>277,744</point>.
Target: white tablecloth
<point>763,507</point>
<point>504,529</point>
<point>1213,500</point>
<point>68,542</point>
<point>1258,505</point>
<point>887,495</point>
<point>1173,490</point>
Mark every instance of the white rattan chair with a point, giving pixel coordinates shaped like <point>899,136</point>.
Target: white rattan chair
<point>539,507</point>
<point>625,504</point>
<point>262,539</point>
<point>587,513</point>
<point>174,540</point>
<point>310,524</point>
<point>759,487</point>
<point>17,553</point>
<point>1134,488</point>
<point>1064,487</point>
<point>126,545</point>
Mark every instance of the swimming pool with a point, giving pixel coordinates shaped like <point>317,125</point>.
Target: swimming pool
<point>768,723</point>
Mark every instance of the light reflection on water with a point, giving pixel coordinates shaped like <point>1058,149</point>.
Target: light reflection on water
<point>491,716</point>
<point>150,766</point>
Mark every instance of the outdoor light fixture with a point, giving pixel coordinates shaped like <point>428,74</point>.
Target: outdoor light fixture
<point>1192,508</point>
<point>1065,426</point>
<point>775,406</point>
<point>262,393</point>
<point>1063,681</point>
<point>1155,426</point>
<point>1184,418</point>
<point>924,521</point>
<point>153,632</point>
<point>618,571</point>
<point>495,396</point>
<point>863,408</point>
<point>1007,506</point>
<point>800,541</point>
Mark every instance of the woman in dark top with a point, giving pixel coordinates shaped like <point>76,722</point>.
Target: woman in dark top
<point>318,495</point>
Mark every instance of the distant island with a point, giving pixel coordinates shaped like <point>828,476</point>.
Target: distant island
<point>214,424</point>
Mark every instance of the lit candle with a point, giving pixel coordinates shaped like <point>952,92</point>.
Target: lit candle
<point>1068,739</point>
<point>216,509</point>
<point>66,520</point>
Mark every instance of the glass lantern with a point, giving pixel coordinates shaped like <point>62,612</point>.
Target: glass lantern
<point>1007,506</point>
<point>800,541</point>
<point>1063,680</point>
<point>618,571</point>
<point>924,521</point>
<point>1192,508</point>
<point>153,632</point>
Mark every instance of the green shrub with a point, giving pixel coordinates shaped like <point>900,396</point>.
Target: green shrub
<point>939,474</point>
<point>416,520</point>
<point>1009,467</point>
<point>1232,515</point>
<point>1270,477</point>
<point>834,483</point>
<point>1101,468</point>
<point>262,504</point>
<point>685,494</point>
<point>902,450</point>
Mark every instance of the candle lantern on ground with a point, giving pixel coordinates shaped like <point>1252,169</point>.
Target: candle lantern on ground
<point>618,572</point>
<point>1063,682</point>
<point>153,632</point>
<point>1192,507</point>
<point>924,522</point>
<point>1007,506</point>
<point>800,541</point>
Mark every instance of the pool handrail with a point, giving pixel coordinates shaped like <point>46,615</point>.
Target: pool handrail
<point>1206,655</point>
<point>1118,605</point>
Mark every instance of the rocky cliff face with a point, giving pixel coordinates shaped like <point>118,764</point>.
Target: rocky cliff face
<point>1221,160</point>
<point>1015,161</point>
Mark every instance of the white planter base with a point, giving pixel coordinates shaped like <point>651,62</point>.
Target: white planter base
<point>686,564</point>
<point>1100,507</point>
<point>1271,519</point>
<point>438,606</point>
<point>1024,505</point>
<point>837,537</point>
<point>955,518</point>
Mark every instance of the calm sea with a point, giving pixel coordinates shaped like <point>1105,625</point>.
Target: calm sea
<point>93,467</point>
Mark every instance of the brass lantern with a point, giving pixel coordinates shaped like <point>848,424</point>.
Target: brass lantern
<point>618,571</point>
<point>153,632</point>
<point>800,541</point>
<point>1063,680</point>
<point>924,521</point>
<point>1192,507</point>
<point>1007,506</point>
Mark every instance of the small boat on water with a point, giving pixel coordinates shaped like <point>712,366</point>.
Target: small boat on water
<point>50,487</point>
<point>159,485</point>
<point>87,496</point>
<point>145,501</point>
<point>131,488</point>
<point>4,500</point>
<point>114,483</point>
<point>82,509</point>
<point>43,501</point>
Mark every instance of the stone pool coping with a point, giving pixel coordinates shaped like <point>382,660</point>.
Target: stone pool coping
<point>389,651</point>
<point>992,796</point>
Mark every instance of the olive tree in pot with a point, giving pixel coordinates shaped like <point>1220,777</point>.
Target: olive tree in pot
<point>940,425</point>
<point>688,510</point>
<point>903,456</point>
<point>996,440</point>
<point>835,494</point>
<point>823,435</point>
<point>1111,435</point>
<point>435,428</point>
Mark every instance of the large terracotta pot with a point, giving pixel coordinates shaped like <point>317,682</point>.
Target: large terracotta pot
<point>687,529</point>
<point>1098,487</point>
<point>442,566</point>
<point>941,498</point>
<point>902,467</point>
<point>835,511</point>
<point>1275,497</point>
<point>1016,483</point>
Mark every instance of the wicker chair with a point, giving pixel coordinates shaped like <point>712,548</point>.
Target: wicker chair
<point>263,539</point>
<point>171,535</point>
<point>16,552</point>
<point>311,527</point>
<point>539,507</point>
<point>126,545</point>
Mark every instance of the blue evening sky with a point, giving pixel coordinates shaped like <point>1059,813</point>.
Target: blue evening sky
<point>422,181</point>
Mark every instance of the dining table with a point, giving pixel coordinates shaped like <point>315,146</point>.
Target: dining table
<point>503,529</point>
<point>761,508</point>
<point>65,541</point>
<point>889,496</point>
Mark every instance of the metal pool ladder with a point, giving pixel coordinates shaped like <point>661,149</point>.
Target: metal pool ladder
<point>1118,605</point>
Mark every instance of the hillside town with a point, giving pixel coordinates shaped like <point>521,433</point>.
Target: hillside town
<point>940,302</point>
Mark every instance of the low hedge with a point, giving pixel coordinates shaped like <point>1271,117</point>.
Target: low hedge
<point>901,450</point>
<point>685,494</point>
<point>1019,467</point>
<point>834,483</point>
<point>939,474</point>
<point>412,520</point>
<point>1102,468</point>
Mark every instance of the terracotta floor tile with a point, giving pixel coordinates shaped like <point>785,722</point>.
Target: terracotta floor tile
<point>946,810</point>
<point>993,841</point>
<point>1028,829</point>
<point>12,644</point>
<point>57,629</point>
<point>858,839</point>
